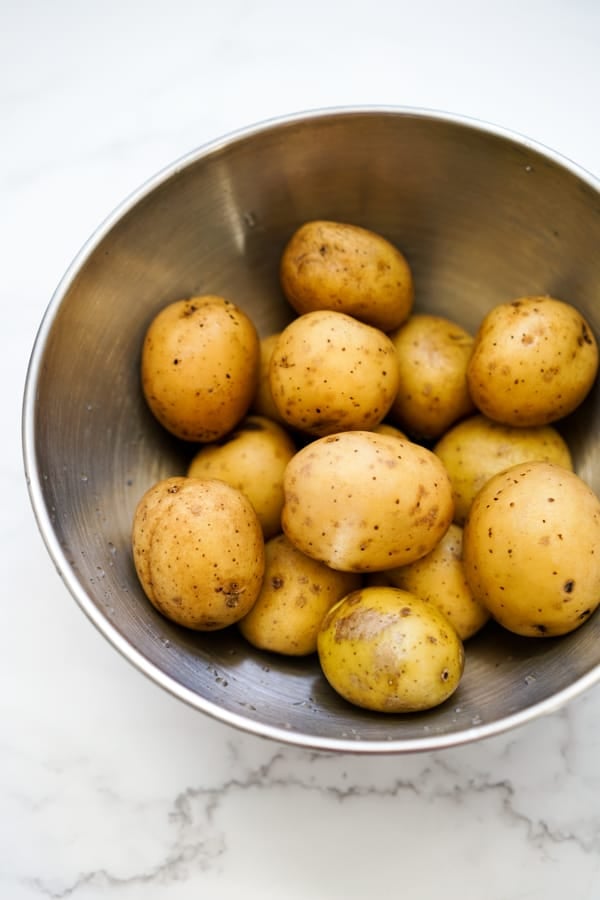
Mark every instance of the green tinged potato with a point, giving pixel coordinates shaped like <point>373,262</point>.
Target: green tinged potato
<point>331,265</point>
<point>531,549</point>
<point>384,649</point>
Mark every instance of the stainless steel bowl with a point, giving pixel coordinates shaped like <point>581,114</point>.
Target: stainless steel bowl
<point>483,216</point>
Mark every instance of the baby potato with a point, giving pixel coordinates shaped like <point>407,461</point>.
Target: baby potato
<point>198,551</point>
<point>433,354</point>
<point>533,362</point>
<point>439,578</point>
<point>386,428</point>
<point>332,265</point>
<point>477,448</point>
<point>330,372</point>
<point>384,649</point>
<point>252,458</point>
<point>297,591</point>
<point>200,364</point>
<point>263,404</point>
<point>531,549</point>
<point>361,502</point>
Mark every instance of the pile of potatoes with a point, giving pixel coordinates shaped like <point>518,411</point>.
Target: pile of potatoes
<point>371,484</point>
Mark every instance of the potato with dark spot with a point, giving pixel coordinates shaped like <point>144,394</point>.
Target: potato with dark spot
<point>439,578</point>
<point>382,648</point>
<point>433,355</point>
<point>361,502</point>
<point>330,372</point>
<point>296,594</point>
<point>200,366</point>
<point>534,361</point>
<point>478,448</point>
<point>198,550</point>
<point>349,269</point>
<point>531,549</point>
<point>252,458</point>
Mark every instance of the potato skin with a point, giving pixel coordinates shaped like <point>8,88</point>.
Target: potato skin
<point>384,649</point>
<point>477,448</point>
<point>439,578</point>
<point>531,549</point>
<point>200,365</point>
<point>361,502</point>
<point>433,353</point>
<point>534,360</point>
<point>349,269</point>
<point>251,458</point>
<point>330,372</point>
<point>198,550</point>
<point>296,594</point>
<point>263,404</point>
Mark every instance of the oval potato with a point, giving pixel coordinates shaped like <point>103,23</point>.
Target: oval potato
<point>433,354</point>
<point>531,549</point>
<point>199,369</point>
<point>477,448</point>
<point>296,594</point>
<point>439,578</point>
<point>330,372</point>
<point>360,501</point>
<point>198,550</point>
<point>534,360</point>
<point>382,648</point>
<point>349,269</point>
<point>252,458</point>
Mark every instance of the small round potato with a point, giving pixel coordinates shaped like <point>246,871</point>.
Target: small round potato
<point>297,592</point>
<point>263,404</point>
<point>531,549</point>
<point>433,354</point>
<point>331,265</point>
<point>439,578</point>
<point>478,448</point>
<point>330,372</point>
<point>384,649</point>
<point>198,550</point>
<point>200,364</point>
<point>386,428</point>
<point>361,502</point>
<point>252,458</point>
<point>534,361</point>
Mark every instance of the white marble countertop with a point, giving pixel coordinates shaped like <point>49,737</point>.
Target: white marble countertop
<point>110,788</point>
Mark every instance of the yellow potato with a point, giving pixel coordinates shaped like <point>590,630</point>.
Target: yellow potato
<point>360,501</point>
<point>252,458</point>
<point>263,404</point>
<point>439,578</point>
<point>534,361</point>
<point>433,354</point>
<point>332,265</point>
<point>297,592</point>
<point>478,448</point>
<point>383,649</point>
<point>386,428</point>
<point>198,550</point>
<point>330,372</point>
<point>531,549</point>
<point>200,364</point>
